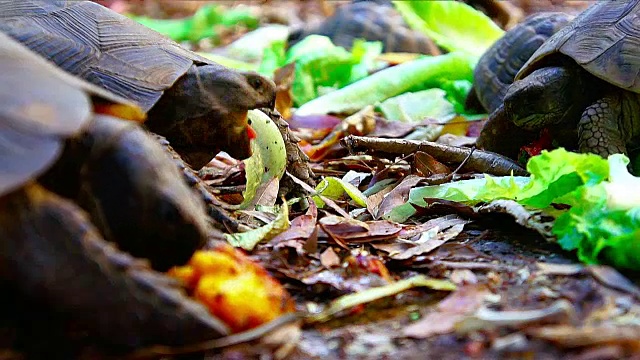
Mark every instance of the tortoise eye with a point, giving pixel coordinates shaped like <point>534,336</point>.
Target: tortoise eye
<point>255,82</point>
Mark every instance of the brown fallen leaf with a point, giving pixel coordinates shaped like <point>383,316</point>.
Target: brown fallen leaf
<point>301,227</point>
<point>355,231</point>
<point>375,200</point>
<point>558,269</point>
<point>429,241</point>
<point>443,222</point>
<point>456,140</point>
<point>485,318</point>
<point>283,77</point>
<point>329,258</point>
<point>463,276</point>
<point>435,323</point>
<point>600,352</point>
<point>450,310</point>
<point>398,196</point>
<point>423,238</point>
<point>571,337</point>
<point>426,165</point>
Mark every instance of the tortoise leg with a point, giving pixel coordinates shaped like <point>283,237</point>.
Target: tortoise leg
<point>52,252</point>
<point>598,129</point>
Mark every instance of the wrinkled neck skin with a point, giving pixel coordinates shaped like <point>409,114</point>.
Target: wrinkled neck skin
<point>549,96</point>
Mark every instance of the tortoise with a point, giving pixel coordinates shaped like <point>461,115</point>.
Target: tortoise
<point>372,20</point>
<point>498,66</point>
<point>77,187</point>
<point>197,104</point>
<point>581,84</point>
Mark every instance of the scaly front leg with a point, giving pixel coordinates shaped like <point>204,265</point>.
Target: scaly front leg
<point>599,129</point>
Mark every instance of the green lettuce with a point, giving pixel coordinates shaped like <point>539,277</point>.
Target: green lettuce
<point>453,25</point>
<point>202,24</point>
<point>423,73</point>
<point>320,66</point>
<point>602,222</point>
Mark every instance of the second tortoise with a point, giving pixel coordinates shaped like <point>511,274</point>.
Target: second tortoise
<point>582,84</point>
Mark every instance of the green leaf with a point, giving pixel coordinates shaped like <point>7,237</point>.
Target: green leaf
<point>604,222</point>
<point>457,92</point>
<point>334,188</point>
<point>201,25</point>
<point>251,46</point>
<point>559,172</point>
<point>269,158</point>
<point>453,25</point>
<point>322,66</point>
<point>467,191</point>
<point>417,106</point>
<point>274,56</point>
<point>249,239</point>
<point>424,73</point>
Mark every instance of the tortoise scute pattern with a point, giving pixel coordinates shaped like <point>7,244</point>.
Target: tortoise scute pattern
<point>606,44</point>
<point>373,21</point>
<point>84,41</point>
<point>498,67</point>
<point>582,85</point>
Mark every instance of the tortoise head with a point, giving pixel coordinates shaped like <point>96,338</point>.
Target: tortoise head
<point>206,111</point>
<point>546,97</point>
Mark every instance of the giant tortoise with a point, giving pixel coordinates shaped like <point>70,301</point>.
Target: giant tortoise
<point>198,105</point>
<point>71,178</point>
<point>372,20</point>
<point>582,85</point>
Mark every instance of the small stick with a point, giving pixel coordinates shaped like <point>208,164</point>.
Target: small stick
<point>478,160</point>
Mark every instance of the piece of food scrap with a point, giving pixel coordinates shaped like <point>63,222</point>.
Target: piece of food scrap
<point>235,289</point>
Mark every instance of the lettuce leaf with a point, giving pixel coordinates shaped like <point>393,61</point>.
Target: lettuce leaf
<point>321,66</point>
<point>604,222</point>
<point>453,25</point>
<point>202,24</point>
<point>423,73</point>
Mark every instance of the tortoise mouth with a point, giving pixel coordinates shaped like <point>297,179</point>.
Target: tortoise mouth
<point>535,122</point>
<point>538,120</point>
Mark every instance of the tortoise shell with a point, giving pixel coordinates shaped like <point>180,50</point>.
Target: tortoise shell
<point>373,20</point>
<point>499,65</point>
<point>604,40</point>
<point>40,107</point>
<point>101,46</point>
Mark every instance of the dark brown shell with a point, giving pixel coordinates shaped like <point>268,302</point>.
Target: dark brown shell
<point>40,107</point>
<point>100,46</point>
<point>373,21</point>
<point>604,40</point>
<point>499,65</point>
